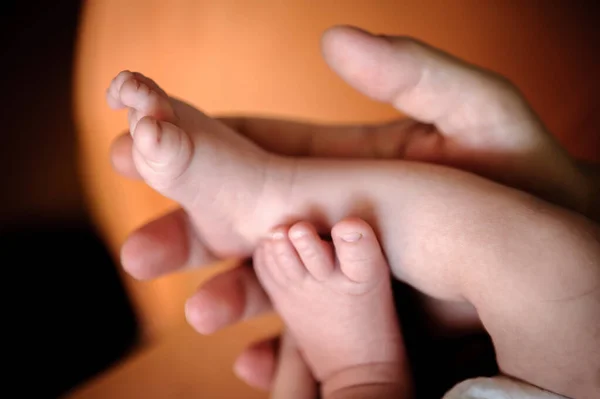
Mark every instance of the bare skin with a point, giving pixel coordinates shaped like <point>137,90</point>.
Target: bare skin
<point>338,307</point>
<point>293,380</point>
<point>419,184</point>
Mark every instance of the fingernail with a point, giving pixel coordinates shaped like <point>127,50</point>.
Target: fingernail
<point>277,235</point>
<point>299,233</point>
<point>351,237</point>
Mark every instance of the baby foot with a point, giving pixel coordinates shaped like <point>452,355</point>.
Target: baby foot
<point>341,312</point>
<point>217,175</point>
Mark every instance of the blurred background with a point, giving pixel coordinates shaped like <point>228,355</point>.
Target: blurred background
<point>72,315</point>
<point>83,327</point>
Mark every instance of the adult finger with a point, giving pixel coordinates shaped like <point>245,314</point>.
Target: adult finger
<point>168,244</point>
<point>423,82</point>
<point>302,139</point>
<point>228,298</point>
<point>485,125</point>
<point>293,379</point>
<point>121,156</point>
<point>256,365</point>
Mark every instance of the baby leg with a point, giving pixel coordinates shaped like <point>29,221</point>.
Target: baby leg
<point>471,228</point>
<point>531,269</point>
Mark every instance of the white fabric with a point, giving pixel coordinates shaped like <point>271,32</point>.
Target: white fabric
<point>497,388</point>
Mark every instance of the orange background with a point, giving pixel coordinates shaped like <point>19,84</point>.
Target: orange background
<point>263,57</point>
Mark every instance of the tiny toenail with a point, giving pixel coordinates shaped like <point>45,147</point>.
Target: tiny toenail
<point>351,237</point>
<point>277,235</point>
<point>298,233</point>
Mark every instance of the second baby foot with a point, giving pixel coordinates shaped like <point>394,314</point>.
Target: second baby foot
<point>340,312</point>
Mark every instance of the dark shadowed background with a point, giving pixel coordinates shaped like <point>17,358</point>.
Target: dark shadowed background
<point>67,307</point>
<point>70,316</point>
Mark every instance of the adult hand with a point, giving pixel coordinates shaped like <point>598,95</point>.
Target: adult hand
<point>463,117</point>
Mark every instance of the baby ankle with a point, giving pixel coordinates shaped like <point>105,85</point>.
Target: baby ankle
<point>376,380</point>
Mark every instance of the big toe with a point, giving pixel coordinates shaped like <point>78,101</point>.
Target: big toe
<point>162,153</point>
<point>316,254</point>
<point>141,95</point>
<point>358,251</point>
